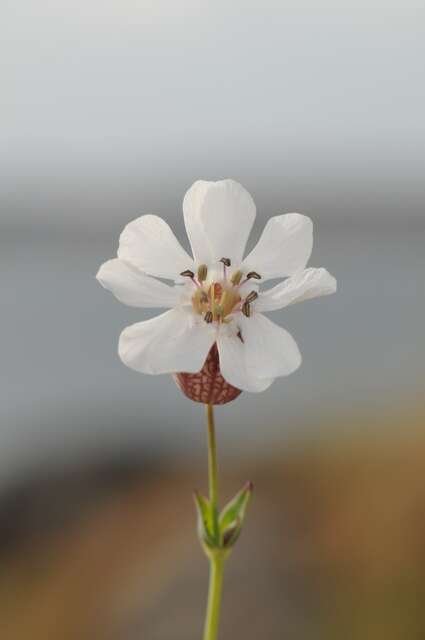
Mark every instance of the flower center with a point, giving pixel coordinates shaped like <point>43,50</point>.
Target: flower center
<point>216,300</point>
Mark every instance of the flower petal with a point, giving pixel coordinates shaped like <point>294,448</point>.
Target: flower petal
<point>175,341</point>
<point>135,288</point>
<point>192,204</point>
<point>218,218</point>
<point>270,350</point>
<point>234,367</point>
<point>310,283</point>
<point>151,246</point>
<point>284,247</point>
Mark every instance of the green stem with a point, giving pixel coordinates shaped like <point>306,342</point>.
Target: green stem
<point>216,556</point>
<point>214,596</point>
<point>212,469</point>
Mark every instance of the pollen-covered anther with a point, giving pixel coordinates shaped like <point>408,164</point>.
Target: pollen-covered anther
<point>236,278</point>
<point>254,275</point>
<point>202,272</point>
<point>246,309</point>
<point>251,297</point>
<point>208,317</point>
<point>187,274</point>
<point>226,261</point>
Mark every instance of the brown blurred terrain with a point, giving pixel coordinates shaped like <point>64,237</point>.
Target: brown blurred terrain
<point>334,546</point>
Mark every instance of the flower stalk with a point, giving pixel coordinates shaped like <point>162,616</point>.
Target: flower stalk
<point>214,596</point>
<point>218,531</point>
<point>216,556</point>
<point>213,469</point>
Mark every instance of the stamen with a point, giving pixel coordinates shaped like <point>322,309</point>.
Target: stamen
<point>188,274</point>
<point>204,297</point>
<point>253,274</point>
<point>208,317</point>
<point>212,299</point>
<point>226,263</point>
<point>202,272</point>
<point>246,309</point>
<point>236,278</point>
<point>251,297</point>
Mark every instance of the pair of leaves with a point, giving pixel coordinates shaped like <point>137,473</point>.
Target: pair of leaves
<point>222,531</point>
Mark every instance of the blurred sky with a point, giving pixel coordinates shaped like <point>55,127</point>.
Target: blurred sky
<point>112,109</point>
<point>101,99</point>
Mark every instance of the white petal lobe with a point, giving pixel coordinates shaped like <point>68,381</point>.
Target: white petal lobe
<point>270,350</point>
<point>308,284</point>
<point>172,342</point>
<point>235,368</point>
<point>218,218</point>
<point>131,286</point>
<point>151,246</point>
<point>192,204</point>
<point>284,247</point>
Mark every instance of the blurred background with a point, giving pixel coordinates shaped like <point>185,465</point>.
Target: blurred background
<point>111,110</point>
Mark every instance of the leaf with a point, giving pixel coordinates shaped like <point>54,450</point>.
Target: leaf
<point>233,514</point>
<point>205,524</point>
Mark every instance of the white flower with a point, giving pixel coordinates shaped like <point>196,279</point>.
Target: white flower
<point>214,297</point>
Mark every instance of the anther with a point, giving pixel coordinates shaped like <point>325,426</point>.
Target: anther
<point>253,274</point>
<point>187,274</point>
<point>208,317</point>
<point>202,272</point>
<point>251,297</point>
<point>236,278</point>
<point>226,261</point>
<point>246,309</point>
<point>204,297</point>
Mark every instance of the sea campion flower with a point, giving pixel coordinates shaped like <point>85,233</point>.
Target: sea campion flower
<point>215,338</point>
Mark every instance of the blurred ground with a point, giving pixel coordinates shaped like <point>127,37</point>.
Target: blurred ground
<point>334,546</point>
